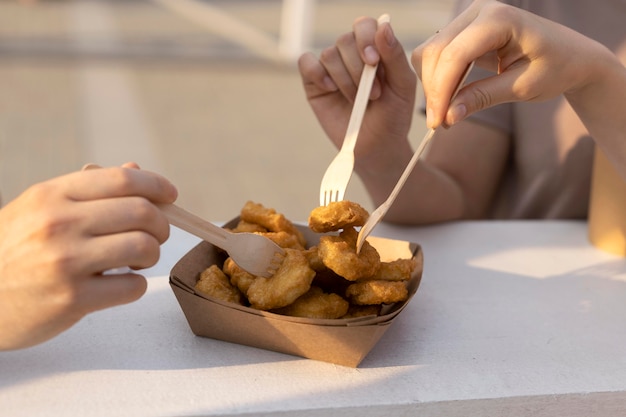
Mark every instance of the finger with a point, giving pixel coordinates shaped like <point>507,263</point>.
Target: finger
<point>430,51</point>
<point>417,59</point>
<point>483,94</point>
<point>132,165</point>
<point>135,249</point>
<point>346,79</point>
<point>118,182</point>
<point>351,56</point>
<point>118,215</point>
<point>111,290</point>
<point>398,72</point>
<point>471,44</point>
<point>477,41</point>
<point>364,29</point>
<point>314,76</point>
<point>92,165</point>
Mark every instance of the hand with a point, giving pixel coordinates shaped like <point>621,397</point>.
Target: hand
<point>60,235</point>
<point>532,58</point>
<point>331,83</point>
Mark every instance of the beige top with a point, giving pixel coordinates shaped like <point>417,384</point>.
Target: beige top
<point>551,159</point>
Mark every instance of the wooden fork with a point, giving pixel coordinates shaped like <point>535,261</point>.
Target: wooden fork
<point>380,212</point>
<point>254,253</point>
<point>338,173</point>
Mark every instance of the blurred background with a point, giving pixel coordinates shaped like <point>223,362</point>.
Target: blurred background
<point>205,92</point>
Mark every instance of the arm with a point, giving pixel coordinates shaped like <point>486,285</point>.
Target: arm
<point>58,237</point>
<point>600,104</point>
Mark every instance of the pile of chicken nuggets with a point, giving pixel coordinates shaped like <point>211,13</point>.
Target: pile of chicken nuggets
<point>326,281</point>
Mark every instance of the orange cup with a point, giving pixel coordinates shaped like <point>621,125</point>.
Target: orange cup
<point>607,207</point>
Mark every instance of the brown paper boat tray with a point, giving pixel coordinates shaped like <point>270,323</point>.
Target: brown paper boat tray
<point>342,341</point>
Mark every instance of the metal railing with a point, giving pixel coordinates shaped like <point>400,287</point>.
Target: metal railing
<point>295,30</point>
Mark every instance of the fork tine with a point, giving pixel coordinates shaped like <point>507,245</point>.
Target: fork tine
<point>276,262</point>
<point>332,196</point>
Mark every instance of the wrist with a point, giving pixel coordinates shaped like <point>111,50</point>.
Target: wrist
<point>599,74</point>
<point>385,161</point>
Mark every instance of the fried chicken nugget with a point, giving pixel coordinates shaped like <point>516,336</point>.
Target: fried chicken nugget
<point>247,227</point>
<point>316,304</point>
<point>398,270</point>
<point>336,216</point>
<point>292,280</point>
<point>238,277</point>
<point>270,219</point>
<point>339,254</point>
<point>214,283</point>
<point>329,281</point>
<point>377,292</point>
<point>284,239</point>
<point>315,262</point>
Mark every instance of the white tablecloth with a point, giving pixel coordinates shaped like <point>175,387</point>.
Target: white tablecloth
<point>512,318</point>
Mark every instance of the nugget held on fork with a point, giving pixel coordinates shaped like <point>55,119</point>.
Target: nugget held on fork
<point>336,216</point>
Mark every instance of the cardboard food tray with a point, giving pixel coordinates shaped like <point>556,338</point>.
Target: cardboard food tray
<point>341,341</point>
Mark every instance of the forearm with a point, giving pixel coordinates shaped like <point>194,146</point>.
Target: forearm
<point>428,196</point>
<point>600,105</point>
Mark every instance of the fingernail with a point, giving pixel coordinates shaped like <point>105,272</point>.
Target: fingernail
<point>329,84</point>
<point>371,56</point>
<point>456,113</point>
<point>90,166</point>
<point>389,36</point>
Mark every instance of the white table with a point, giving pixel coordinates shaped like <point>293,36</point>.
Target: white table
<point>512,318</point>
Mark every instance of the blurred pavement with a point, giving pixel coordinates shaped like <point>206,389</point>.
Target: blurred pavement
<point>120,80</point>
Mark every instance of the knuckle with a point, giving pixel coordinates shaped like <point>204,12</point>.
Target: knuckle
<point>481,98</point>
<point>146,248</point>
<point>123,179</point>
<point>501,12</point>
<point>416,61</point>
<point>67,297</point>
<point>51,224</point>
<point>346,40</point>
<point>451,53</point>
<point>39,194</point>
<point>525,89</point>
<point>363,19</point>
<point>329,54</point>
<point>146,216</point>
<point>430,50</point>
<point>141,210</point>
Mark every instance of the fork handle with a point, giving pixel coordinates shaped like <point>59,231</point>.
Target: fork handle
<point>360,101</point>
<point>195,225</point>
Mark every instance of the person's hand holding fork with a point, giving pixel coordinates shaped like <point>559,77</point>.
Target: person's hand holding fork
<point>331,82</point>
<point>59,236</point>
<point>533,59</point>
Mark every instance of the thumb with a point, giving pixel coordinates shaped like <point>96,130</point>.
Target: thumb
<point>481,95</point>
